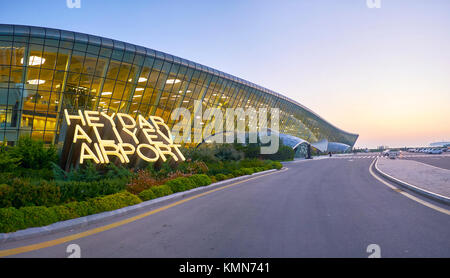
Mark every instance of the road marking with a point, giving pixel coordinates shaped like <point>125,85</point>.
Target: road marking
<point>400,191</point>
<point>50,243</point>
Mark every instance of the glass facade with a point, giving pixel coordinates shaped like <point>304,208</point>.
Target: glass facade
<point>44,71</point>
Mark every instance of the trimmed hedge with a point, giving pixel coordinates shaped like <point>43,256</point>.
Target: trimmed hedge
<point>147,194</point>
<point>220,177</point>
<point>175,185</point>
<point>200,179</point>
<point>155,192</point>
<point>23,192</point>
<point>162,190</point>
<point>180,184</point>
<point>80,191</point>
<point>12,219</point>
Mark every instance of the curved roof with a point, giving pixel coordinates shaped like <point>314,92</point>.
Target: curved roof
<point>44,32</point>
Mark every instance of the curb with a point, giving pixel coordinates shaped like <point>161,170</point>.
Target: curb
<point>423,192</point>
<point>103,216</point>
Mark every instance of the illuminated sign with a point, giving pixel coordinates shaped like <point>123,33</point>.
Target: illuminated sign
<point>116,138</point>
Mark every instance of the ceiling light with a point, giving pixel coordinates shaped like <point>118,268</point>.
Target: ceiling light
<point>188,91</point>
<point>106,93</point>
<point>34,61</point>
<point>36,81</point>
<point>173,81</point>
<point>137,95</point>
<point>139,89</point>
<point>142,79</point>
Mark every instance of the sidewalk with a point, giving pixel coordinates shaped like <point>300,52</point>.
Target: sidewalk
<point>425,177</point>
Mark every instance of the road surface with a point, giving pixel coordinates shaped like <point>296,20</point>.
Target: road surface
<point>320,208</point>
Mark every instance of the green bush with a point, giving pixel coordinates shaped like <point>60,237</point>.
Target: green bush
<point>200,179</point>
<point>284,153</point>
<point>277,165</point>
<point>12,219</point>
<point>114,172</point>
<point>247,171</point>
<point>24,193</point>
<point>33,154</point>
<point>162,190</point>
<point>65,212</point>
<point>112,202</point>
<point>7,162</point>
<point>180,184</point>
<point>220,177</point>
<point>79,209</point>
<point>37,216</point>
<point>79,190</point>
<point>238,173</point>
<point>86,172</point>
<point>147,195</point>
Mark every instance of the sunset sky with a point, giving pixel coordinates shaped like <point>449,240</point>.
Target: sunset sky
<point>382,73</point>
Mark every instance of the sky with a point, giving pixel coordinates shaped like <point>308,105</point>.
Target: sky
<point>383,73</point>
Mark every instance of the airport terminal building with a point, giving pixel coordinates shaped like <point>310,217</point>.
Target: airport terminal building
<point>44,71</point>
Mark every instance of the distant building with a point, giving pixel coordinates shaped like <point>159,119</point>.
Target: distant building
<point>440,144</point>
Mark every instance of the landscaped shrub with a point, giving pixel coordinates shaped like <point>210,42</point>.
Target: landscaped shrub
<point>200,179</point>
<point>284,153</point>
<point>238,173</point>
<point>86,172</point>
<point>22,193</point>
<point>112,202</point>
<point>162,190</point>
<point>80,191</point>
<point>147,195</point>
<point>180,184</point>
<point>7,162</point>
<point>247,171</point>
<point>79,208</point>
<point>12,219</point>
<point>114,172</point>
<point>33,154</point>
<point>277,165</point>
<point>65,212</point>
<point>37,216</point>
<point>142,181</point>
<point>220,177</point>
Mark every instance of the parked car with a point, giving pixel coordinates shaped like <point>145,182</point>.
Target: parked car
<point>392,154</point>
<point>435,151</point>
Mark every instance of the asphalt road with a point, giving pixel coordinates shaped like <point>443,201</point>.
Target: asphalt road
<point>321,208</point>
